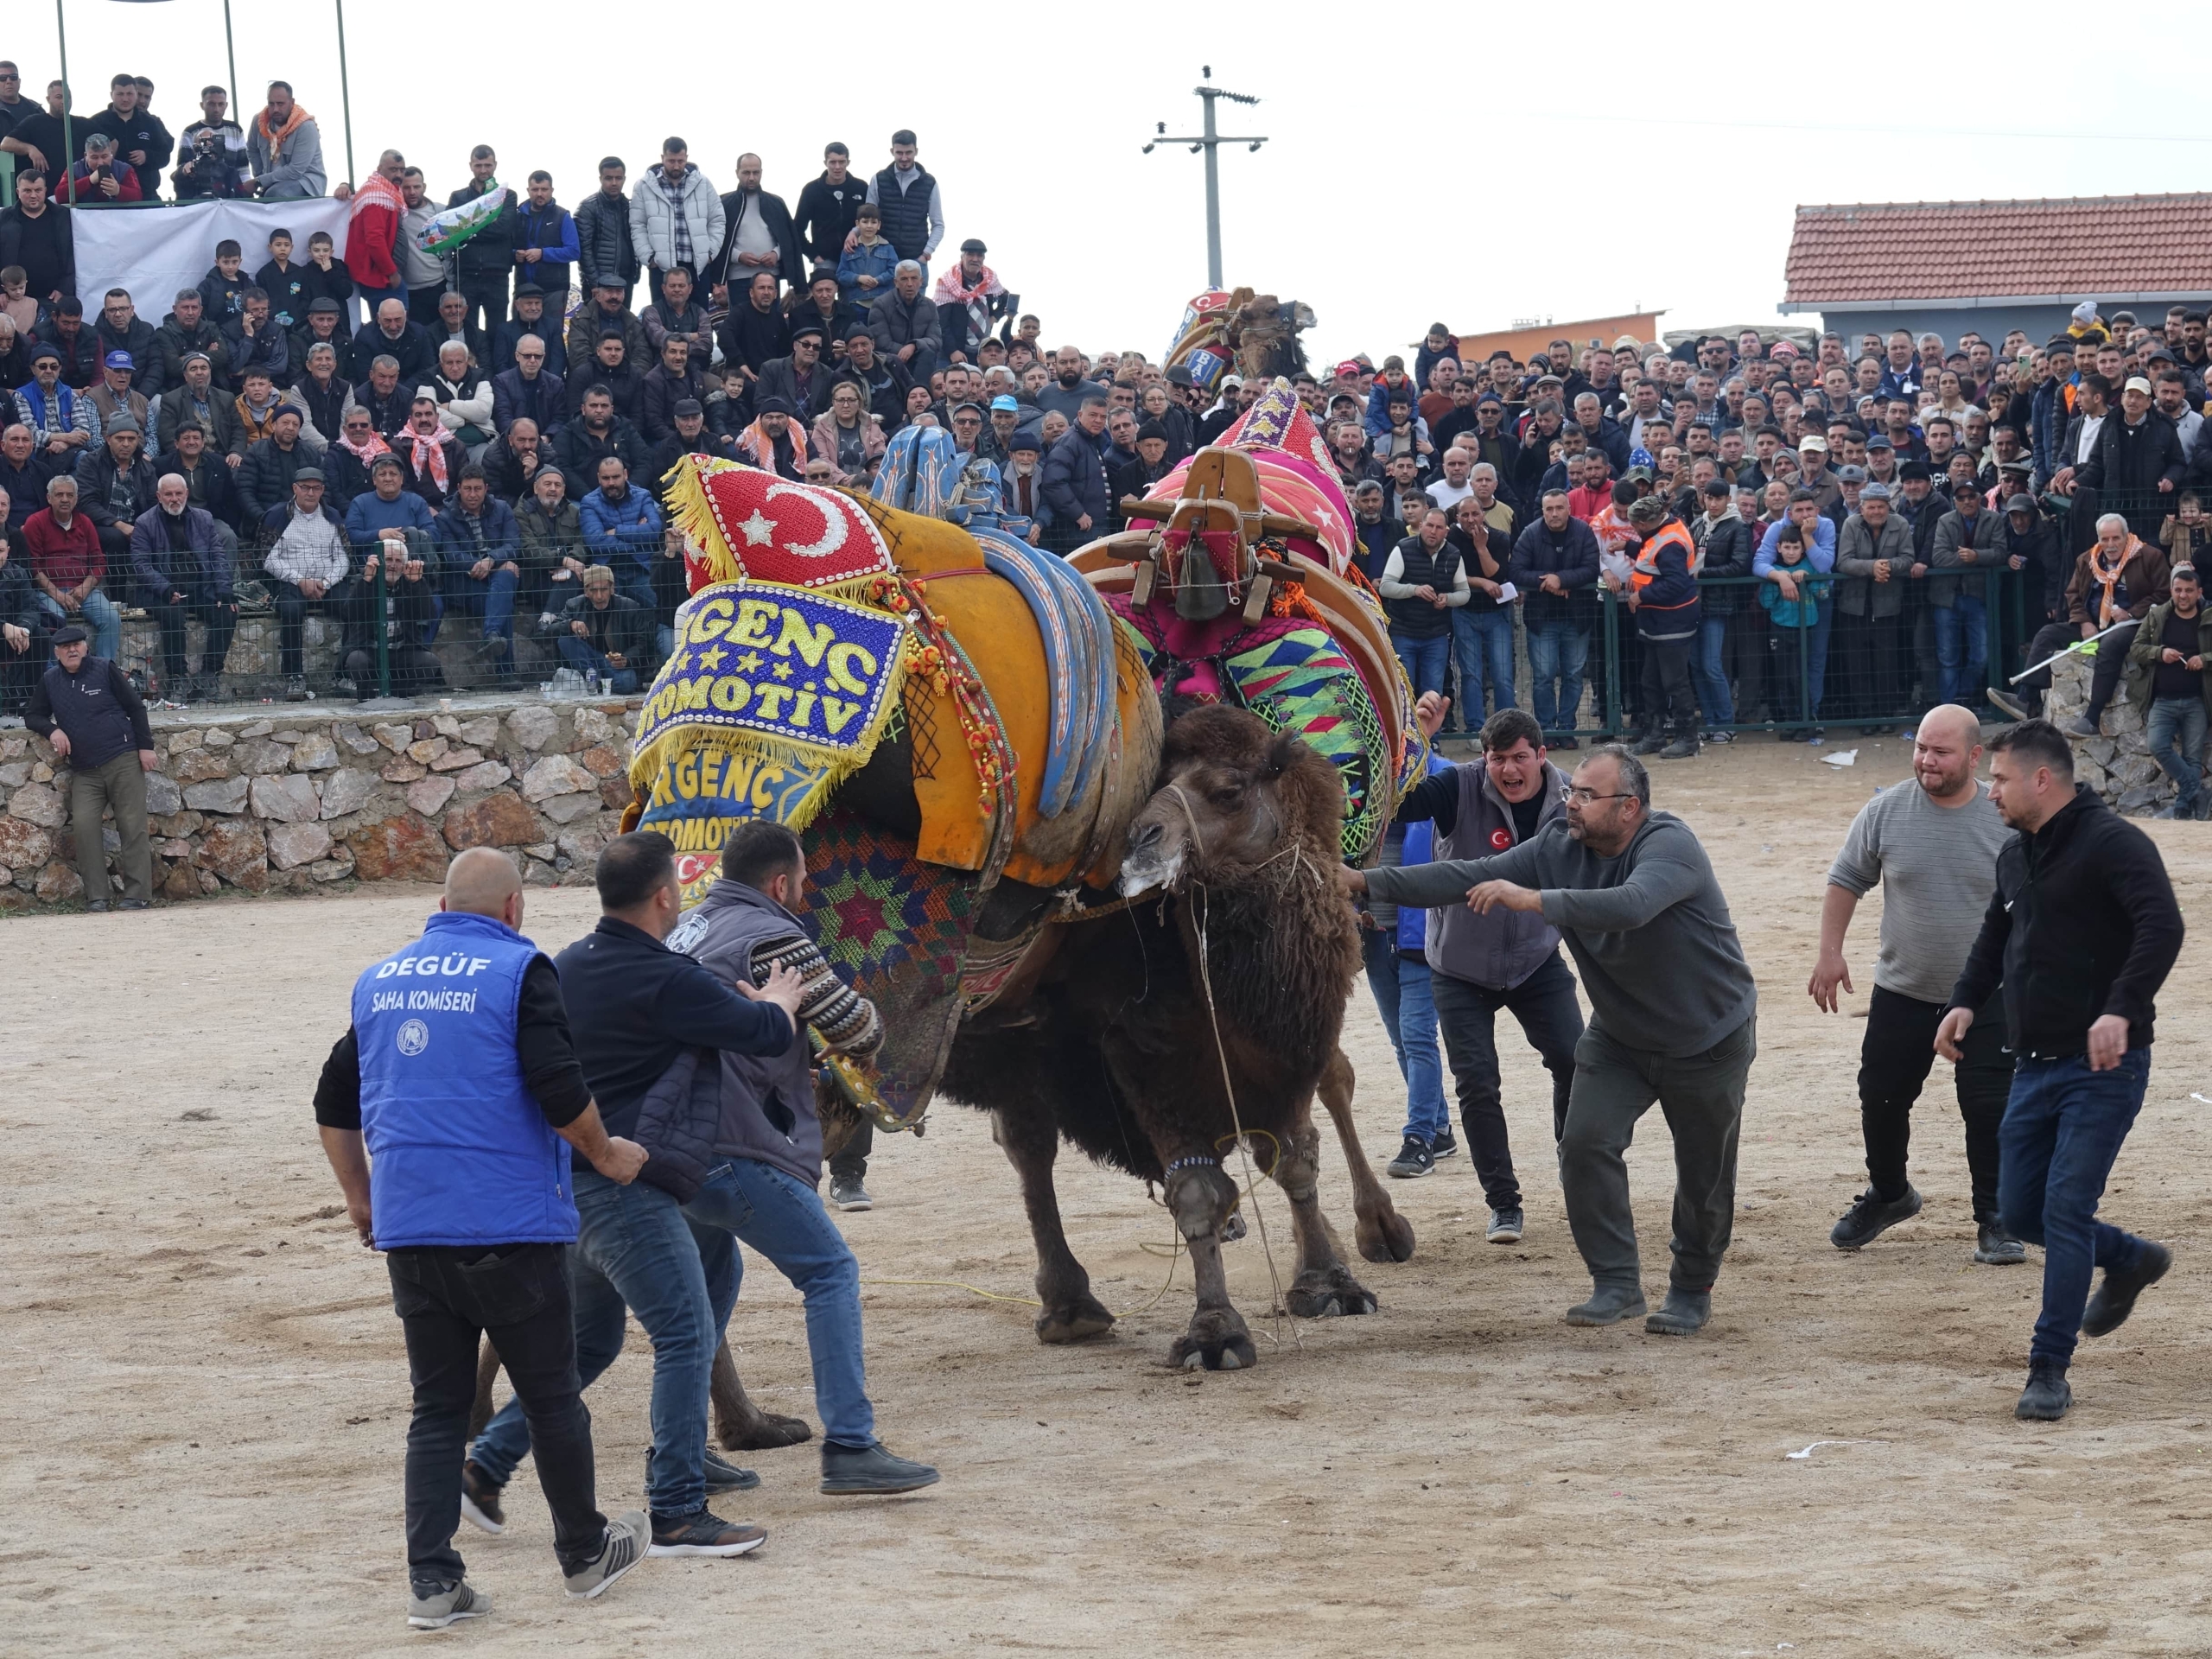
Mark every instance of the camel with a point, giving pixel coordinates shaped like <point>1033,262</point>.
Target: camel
<point>1230,970</point>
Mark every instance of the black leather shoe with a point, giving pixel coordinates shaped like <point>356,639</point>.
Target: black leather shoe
<point>2048,1394</point>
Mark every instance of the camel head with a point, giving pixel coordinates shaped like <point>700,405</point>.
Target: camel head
<point>1233,794</point>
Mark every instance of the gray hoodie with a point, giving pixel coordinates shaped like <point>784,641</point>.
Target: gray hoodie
<point>1653,943</point>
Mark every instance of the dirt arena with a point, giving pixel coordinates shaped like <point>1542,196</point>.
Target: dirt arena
<point>205,1395</point>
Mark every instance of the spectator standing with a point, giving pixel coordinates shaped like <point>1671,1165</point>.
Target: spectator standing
<point>911,204</point>
<point>2166,684</point>
<point>140,142</point>
<point>546,248</point>
<point>1422,583</point>
<point>676,219</point>
<point>1555,564</point>
<point>424,274</point>
<point>212,159</point>
<point>38,236</point>
<point>1932,843</point>
<point>491,1103</point>
<point>284,148</point>
<point>22,624</point>
<point>757,235</point>
<point>830,207</point>
<point>1482,629</point>
<point>1971,540</point>
<point>869,262</point>
<point>1724,545</point>
<point>89,709</point>
<point>484,265</point>
<point>602,222</point>
<point>1074,480</point>
<point>182,571</point>
<point>39,143</point>
<point>2082,930</point>
<point>1662,593</point>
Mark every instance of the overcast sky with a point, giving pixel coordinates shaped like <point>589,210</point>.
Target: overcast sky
<point>1409,176</point>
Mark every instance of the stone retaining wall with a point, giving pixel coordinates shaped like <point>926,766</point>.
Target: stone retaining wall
<point>2115,764</point>
<point>304,795</point>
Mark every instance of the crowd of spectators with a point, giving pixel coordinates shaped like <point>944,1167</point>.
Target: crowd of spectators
<point>1732,531</point>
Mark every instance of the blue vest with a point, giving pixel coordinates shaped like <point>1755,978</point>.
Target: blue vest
<point>1420,849</point>
<point>459,1152</point>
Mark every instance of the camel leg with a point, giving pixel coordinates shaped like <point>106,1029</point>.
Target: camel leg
<point>740,1425</point>
<point>487,1371</point>
<point>1383,1234</point>
<point>1325,1287</point>
<point>1198,1197</point>
<point>1071,1313</point>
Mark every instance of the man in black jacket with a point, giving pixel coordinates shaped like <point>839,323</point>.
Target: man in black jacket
<point>828,205</point>
<point>2081,931</point>
<point>635,1009</point>
<point>86,706</point>
<point>22,627</point>
<point>485,264</point>
<point>1555,565</point>
<point>2137,464</point>
<point>758,235</point>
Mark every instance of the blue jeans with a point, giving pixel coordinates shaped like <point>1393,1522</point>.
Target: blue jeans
<point>579,655</point>
<point>1425,660</point>
<point>2175,736</point>
<point>635,1250</point>
<point>1403,996</point>
<point>1814,642</point>
<point>784,1219</point>
<point>1710,669</point>
<point>1557,652</point>
<point>493,598</point>
<point>1962,648</point>
<point>100,615</point>
<point>2063,1126</point>
<point>1483,643</point>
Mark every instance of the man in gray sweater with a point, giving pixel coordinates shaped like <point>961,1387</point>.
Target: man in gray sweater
<point>1673,1006</point>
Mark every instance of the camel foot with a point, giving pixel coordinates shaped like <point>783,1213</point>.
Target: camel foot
<point>765,1431</point>
<point>1328,1294</point>
<point>1217,1341</point>
<point>1388,1236</point>
<point>1072,1321</point>
<point>1232,1229</point>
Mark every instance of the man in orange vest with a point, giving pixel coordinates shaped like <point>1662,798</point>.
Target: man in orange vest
<point>1663,592</point>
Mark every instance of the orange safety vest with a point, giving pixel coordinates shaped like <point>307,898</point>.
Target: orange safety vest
<point>1647,558</point>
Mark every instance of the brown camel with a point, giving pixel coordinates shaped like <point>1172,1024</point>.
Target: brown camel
<point>1233,978</point>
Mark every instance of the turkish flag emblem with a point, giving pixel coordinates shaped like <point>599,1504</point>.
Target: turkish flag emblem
<point>777,530</point>
<point>1501,838</point>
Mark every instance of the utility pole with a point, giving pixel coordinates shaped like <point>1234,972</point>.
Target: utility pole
<point>1209,141</point>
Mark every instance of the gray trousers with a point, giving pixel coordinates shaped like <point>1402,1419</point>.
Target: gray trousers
<point>1702,1095</point>
<point>120,787</point>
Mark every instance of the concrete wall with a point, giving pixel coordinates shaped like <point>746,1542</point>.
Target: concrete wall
<point>2041,322</point>
<point>304,795</point>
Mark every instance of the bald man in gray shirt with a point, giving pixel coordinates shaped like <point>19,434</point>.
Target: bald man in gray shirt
<point>1673,1020</point>
<point>1932,843</point>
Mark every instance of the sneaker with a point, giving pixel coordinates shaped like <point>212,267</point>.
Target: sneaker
<point>492,647</point>
<point>2008,705</point>
<point>624,1547</point>
<point>432,1607</point>
<point>2116,1298</point>
<point>1504,1227</point>
<point>855,1470</point>
<point>1414,1159</point>
<point>847,1194</point>
<point>1995,1247</point>
<point>1442,1144</point>
<point>2080,725</point>
<point>1870,1216</point>
<point>479,1499</point>
<point>345,686</point>
<point>702,1533</point>
<point>1608,1305</point>
<point>1682,748</point>
<point>135,904</point>
<point>723,1476</point>
<point>1719,737</point>
<point>2048,1394</point>
<point>1682,1314</point>
<point>1818,734</point>
<point>95,907</point>
<point>295,689</point>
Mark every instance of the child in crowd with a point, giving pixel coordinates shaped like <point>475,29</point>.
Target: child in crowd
<point>222,290</point>
<point>285,283</point>
<point>864,272</point>
<point>326,276</point>
<point>16,304</point>
<point>2187,532</point>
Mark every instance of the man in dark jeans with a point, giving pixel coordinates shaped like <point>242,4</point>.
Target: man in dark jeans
<point>86,706</point>
<point>1932,843</point>
<point>2083,930</point>
<point>442,1110</point>
<point>1480,964</point>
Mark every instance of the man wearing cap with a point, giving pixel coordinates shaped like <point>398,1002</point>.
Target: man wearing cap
<point>969,297</point>
<point>2137,463</point>
<point>775,441</point>
<point>1968,539</point>
<point>324,324</point>
<point>308,564</point>
<point>605,313</point>
<point>111,395</point>
<point>801,379</point>
<point>677,312</point>
<point>1874,556</point>
<point>61,421</point>
<point>265,481</point>
<point>1812,474</point>
<point>86,707</point>
<point>115,484</point>
<point>823,309</point>
<point>531,319</point>
<point>182,568</point>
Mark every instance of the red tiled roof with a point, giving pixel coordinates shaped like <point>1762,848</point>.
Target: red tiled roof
<point>2074,248</point>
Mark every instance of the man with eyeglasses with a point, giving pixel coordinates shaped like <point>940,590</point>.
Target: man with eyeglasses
<point>1673,1020</point>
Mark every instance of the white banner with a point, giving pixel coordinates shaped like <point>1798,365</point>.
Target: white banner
<point>155,251</point>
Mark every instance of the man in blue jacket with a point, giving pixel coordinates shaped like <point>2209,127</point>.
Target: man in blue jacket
<point>622,528</point>
<point>479,548</point>
<point>442,1110</point>
<point>1075,480</point>
<point>182,568</point>
<point>1555,565</point>
<point>637,1008</point>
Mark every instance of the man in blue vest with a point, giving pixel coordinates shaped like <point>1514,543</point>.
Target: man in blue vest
<point>442,1111</point>
<point>637,1009</point>
<point>760,1183</point>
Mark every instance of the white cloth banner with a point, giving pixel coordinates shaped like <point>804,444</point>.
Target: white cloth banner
<point>155,251</point>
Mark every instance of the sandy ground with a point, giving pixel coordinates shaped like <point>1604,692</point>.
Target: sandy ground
<point>207,1397</point>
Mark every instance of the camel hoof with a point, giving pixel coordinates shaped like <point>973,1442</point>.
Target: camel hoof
<point>1387,1237</point>
<point>1232,1229</point>
<point>767,1432</point>
<point>1217,1341</point>
<point>1084,1317</point>
<point>1333,1294</point>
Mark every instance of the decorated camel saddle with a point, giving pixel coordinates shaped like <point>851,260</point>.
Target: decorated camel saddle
<point>1236,575</point>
